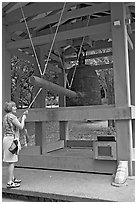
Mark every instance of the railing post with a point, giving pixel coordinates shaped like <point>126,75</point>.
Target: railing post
<point>63,125</point>
<point>121,80</point>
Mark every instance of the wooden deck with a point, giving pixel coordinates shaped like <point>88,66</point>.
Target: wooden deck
<point>73,159</point>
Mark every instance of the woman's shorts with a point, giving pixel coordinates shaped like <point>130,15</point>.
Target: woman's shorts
<point>7,155</point>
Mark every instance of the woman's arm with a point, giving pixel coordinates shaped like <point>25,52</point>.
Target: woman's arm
<point>19,125</point>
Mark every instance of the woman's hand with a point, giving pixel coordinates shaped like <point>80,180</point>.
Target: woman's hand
<point>26,112</point>
<point>24,117</point>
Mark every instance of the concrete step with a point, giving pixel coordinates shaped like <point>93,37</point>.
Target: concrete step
<point>68,186</point>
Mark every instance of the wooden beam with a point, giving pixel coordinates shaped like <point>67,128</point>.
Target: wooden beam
<point>104,66</point>
<point>82,12</point>
<point>90,56</point>
<point>130,44</point>
<point>55,18</point>
<point>76,25</point>
<point>97,31</point>
<point>80,143</point>
<point>96,45</point>
<point>79,113</point>
<point>122,82</point>
<point>15,37</point>
<point>36,9</point>
<point>7,7</point>
<point>132,82</point>
<point>99,67</point>
<point>78,163</point>
<point>33,9</point>
<point>132,69</point>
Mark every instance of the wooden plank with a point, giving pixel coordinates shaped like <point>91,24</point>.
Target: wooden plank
<point>132,82</point>
<point>122,83</point>
<point>67,163</point>
<point>97,32</point>
<point>72,26</point>
<point>49,147</point>
<point>79,113</point>
<point>39,102</point>
<point>15,36</point>
<point>36,9</point>
<point>84,12</point>
<point>63,125</point>
<point>104,66</point>
<point>79,143</point>
<point>8,6</point>
<point>96,45</point>
<point>93,56</point>
<point>33,9</point>
<point>55,18</point>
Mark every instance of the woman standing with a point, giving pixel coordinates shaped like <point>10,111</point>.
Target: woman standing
<point>11,126</point>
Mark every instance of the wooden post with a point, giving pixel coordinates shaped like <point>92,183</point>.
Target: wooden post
<point>132,80</point>
<point>40,101</point>
<point>63,125</point>
<point>6,68</point>
<point>121,80</point>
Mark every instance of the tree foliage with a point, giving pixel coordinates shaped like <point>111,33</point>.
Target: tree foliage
<point>21,89</point>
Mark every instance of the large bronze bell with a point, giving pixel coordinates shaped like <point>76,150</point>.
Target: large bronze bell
<point>85,81</point>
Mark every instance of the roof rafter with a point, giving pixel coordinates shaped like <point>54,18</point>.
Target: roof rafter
<point>100,31</point>
<point>35,9</point>
<point>66,16</point>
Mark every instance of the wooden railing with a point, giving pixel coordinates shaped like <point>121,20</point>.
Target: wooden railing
<point>80,113</point>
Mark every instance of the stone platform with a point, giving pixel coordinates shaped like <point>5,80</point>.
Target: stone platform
<point>68,186</point>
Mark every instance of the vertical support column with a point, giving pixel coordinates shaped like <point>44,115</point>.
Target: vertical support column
<point>121,80</point>
<point>132,80</point>
<point>63,125</point>
<point>6,68</point>
<point>40,101</point>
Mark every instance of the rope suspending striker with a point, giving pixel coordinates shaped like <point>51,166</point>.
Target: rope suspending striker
<point>42,74</point>
<point>31,39</point>
<point>54,37</point>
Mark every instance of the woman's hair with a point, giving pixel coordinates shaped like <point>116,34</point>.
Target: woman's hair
<point>8,106</point>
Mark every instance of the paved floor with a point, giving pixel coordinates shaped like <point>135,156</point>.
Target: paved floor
<point>76,186</point>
